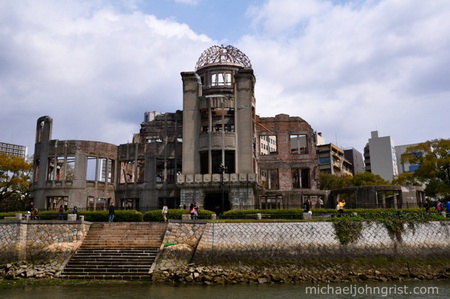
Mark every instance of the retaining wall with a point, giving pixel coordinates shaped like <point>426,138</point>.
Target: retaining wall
<point>36,240</point>
<point>235,241</point>
<point>29,240</point>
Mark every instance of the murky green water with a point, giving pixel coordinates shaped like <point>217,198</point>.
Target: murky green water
<point>419,289</point>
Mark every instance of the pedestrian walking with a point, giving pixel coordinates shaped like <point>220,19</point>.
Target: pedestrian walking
<point>112,212</point>
<point>165,211</point>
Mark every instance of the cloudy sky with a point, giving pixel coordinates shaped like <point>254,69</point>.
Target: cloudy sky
<point>346,67</point>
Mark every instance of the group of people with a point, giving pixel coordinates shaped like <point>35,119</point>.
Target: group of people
<point>33,212</point>
<point>440,208</point>
<point>61,212</point>
<point>193,211</point>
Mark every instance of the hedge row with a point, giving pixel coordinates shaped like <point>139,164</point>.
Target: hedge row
<point>273,213</point>
<point>94,216</point>
<point>120,215</point>
<point>412,214</point>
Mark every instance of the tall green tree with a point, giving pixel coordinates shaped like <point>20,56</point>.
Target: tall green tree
<point>15,182</point>
<point>433,160</point>
<point>330,182</point>
<point>368,179</point>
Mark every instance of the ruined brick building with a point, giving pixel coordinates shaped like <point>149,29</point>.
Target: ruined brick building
<point>217,152</point>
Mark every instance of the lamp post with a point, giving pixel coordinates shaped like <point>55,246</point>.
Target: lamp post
<point>222,168</point>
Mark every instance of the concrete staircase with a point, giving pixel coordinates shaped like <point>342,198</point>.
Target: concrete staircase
<point>118,250</point>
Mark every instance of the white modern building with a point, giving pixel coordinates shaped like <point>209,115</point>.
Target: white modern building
<point>380,156</point>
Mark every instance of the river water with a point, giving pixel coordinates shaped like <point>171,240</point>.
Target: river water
<point>417,289</point>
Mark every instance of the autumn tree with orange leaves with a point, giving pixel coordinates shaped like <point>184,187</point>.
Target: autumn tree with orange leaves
<point>15,182</point>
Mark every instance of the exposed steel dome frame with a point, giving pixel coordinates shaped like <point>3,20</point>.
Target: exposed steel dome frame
<point>222,55</point>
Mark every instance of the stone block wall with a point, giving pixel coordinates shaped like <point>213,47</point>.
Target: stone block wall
<point>35,240</point>
<point>184,233</point>
<point>303,240</point>
<point>9,233</point>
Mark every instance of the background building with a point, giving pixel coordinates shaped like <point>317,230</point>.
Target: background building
<point>380,157</point>
<point>332,160</point>
<point>14,149</point>
<point>356,160</point>
<point>404,166</point>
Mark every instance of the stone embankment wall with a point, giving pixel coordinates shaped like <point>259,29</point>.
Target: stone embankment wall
<point>235,241</point>
<point>40,240</point>
<point>235,253</point>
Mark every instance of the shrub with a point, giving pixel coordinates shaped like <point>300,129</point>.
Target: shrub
<point>347,231</point>
<point>120,216</point>
<point>274,214</point>
<point>11,214</point>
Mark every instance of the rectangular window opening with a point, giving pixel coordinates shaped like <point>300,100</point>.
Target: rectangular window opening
<point>299,144</point>
<point>268,145</point>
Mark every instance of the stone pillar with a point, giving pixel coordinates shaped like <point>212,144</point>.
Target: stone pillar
<point>21,242</point>
<point>383,199</point>
<point>72,217</point>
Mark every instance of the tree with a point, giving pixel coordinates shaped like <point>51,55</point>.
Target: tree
<point>433,160</point>
<point>15,182</point>
<point>329,181</point>
<point>406,178</point>
<point>368,179</point>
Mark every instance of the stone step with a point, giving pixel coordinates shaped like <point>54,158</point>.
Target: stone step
<point>103,276</point>
<point>123,240</point>
<point>109,270</point>
<point>100,264</point>
<point>116,251</point>
<point>121,251</point>
<point>115,254</point>
<point>111,259</point>
<point>100,245</point>
<point>115,240</point>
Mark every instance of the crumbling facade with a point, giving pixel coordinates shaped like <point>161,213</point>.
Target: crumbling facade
<point>392,197</point>
<point>72,173</point>
<point>148,167</point>
<point>219,164</point>
<point>287,163</point>
<point>216,152</point>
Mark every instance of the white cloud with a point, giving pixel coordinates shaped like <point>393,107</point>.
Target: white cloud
<point>189,2</point>
<point>95,67</point>
<point>353,68</point>
<point>95,70</point>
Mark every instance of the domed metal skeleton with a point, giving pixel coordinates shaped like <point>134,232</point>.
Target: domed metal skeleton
<point>217,55</point>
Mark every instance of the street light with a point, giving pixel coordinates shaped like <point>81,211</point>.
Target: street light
<point>223,169</point>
